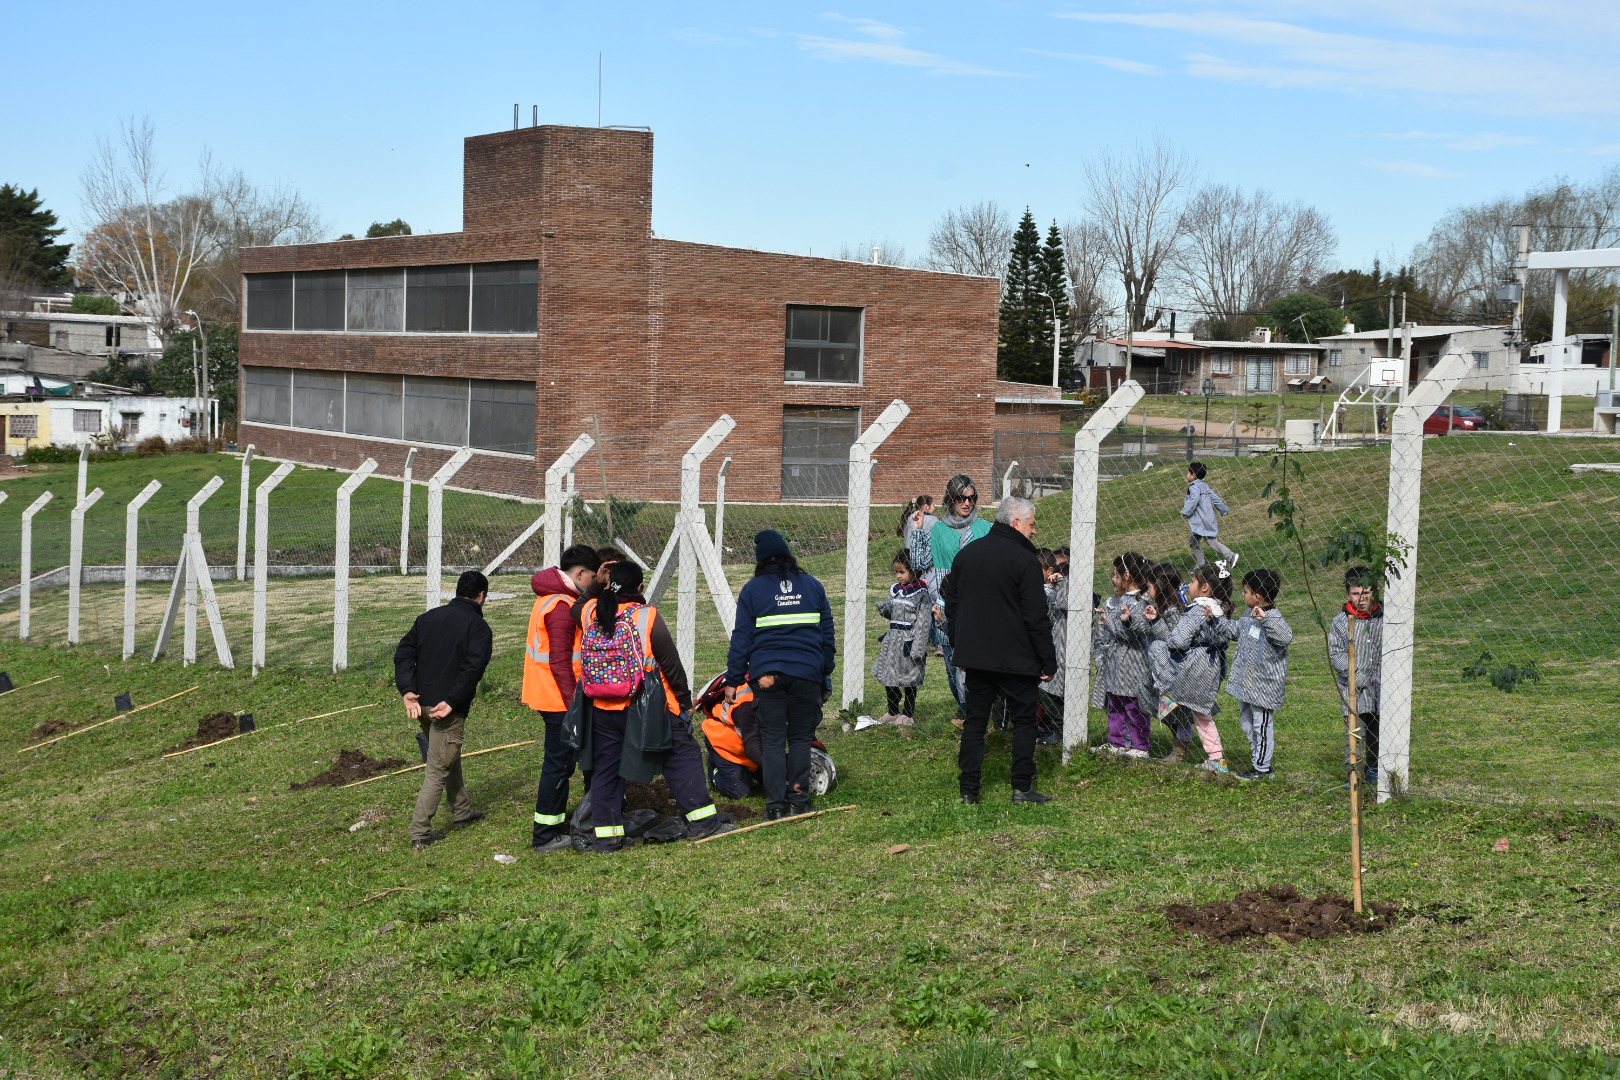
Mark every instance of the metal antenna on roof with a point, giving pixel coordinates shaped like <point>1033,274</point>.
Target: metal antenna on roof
<point>536,120</point>
<point>514,116</point>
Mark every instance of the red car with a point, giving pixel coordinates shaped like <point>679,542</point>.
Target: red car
<point>1449,418</point>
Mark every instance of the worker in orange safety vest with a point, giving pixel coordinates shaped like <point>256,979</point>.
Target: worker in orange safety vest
<point>551,649</point>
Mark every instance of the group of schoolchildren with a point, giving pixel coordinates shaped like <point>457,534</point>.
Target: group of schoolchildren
<point>1161,646</point>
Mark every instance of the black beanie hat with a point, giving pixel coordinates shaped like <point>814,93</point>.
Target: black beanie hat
<point>769,544</point>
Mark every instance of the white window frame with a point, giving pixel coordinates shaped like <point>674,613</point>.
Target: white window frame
<point>1335,358</point>
<point>1258,370</point>
<point>81,417</point>
<point>1298,364</point>
<point>1220,365</point>
<point>1482,360</point>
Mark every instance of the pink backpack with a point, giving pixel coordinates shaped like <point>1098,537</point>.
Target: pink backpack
<point>615,665</point>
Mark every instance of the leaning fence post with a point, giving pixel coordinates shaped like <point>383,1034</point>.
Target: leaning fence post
<point>559,470</point>
<point>185,577</point>
<point>691,511</point>
<point>76,561</point>
<point>1082,563</point>
<point>568,515</point>
<point>1400,592</point>
<point>855,545</point>
<point>340,565</point>
<point>84,474</point>
<point>720,509</point>
<point>132,555</point>
<point>405,515</point>
<point>435,525</point>
<point>261,560</point>
<point>25,590</point>
<point>1006,480</point>
<point>242,513</point>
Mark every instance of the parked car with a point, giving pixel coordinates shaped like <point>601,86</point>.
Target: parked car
<point>1449,418</point>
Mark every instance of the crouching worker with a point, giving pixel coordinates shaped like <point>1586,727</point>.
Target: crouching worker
<point>639,711</point>
<point>736,747</point>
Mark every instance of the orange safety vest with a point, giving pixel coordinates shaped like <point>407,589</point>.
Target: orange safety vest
<point>540,689</point>
<point>722,733</point>
<point>644,616</point>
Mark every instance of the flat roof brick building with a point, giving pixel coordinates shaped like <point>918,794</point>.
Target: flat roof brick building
<point>556,302</point>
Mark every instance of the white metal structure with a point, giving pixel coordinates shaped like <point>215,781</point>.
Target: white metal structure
<point>191,576</point>
<point>555,476</point>
<point>855,545</point>
<point>1082,558</point>
<point>1560,353</point>
<point>76,561</point>
<point>693,537</point>
<point>340,565</point>
<point>1400,593</point>
<point>566,464</point>
<point>84,474</point>
<point>405,515</point>
<point>1379,384</point>
<point>25,590</point>
<point>720,508</point>
<point>1006,480</point>
<point>435,525</point>
<point>261,560</point>
<point>242,513</point>
<point>568,514</point>
<point>132,554</point>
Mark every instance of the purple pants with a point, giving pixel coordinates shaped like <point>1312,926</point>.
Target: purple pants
<point>1128,724</point>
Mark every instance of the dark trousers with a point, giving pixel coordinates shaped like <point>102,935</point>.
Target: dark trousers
<point>942,638</point>
<point>789,710</point>
<point>894,694</point>
<point>551,798</point>
<point>1369,739</point>
<point>683,771</point>
<point>1020,692</point>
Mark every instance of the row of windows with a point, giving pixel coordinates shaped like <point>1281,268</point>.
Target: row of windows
<point>486,414</point>
<point>479,298</point>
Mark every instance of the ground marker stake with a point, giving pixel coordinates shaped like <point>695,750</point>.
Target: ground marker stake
<point>110,719</point>
<point>272,727</point>
<point>464,757</point>
<point>26,685</point>
<point>778,821</point>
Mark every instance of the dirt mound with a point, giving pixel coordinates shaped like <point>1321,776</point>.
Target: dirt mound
<point>210,729</point>
<point>1280,911</point>
<point>656,796</point>
<point>351,765</point>
<point>49,728</point>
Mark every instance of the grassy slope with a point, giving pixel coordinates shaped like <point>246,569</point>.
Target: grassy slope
<point>198,918</point>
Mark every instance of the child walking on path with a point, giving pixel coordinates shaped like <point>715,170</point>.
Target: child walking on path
<point>1200,508</point>
<point>1189,663</point>
<point>1127,630</point>
<point>903,652</point>
<point>1363,611</point>
<point>1260,669</point>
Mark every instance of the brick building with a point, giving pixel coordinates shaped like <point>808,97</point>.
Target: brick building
<point>556,302</point>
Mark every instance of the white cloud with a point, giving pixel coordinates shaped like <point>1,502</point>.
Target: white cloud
<point>1484,140</point>
<point>1413,168</point>
<point>885,49</point>
<point>870,27</point>
<point>1135,67</point>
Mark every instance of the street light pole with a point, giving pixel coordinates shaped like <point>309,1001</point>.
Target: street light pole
<point>208,427</point>
<point>1057,336</point>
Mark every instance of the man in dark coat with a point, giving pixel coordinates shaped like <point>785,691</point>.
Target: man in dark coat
<point>1002,637</point>
<point>437,668</point>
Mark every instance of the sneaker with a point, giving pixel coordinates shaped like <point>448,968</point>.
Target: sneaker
<point>471,819</point>
<point>1372,776</point>
<point>1252,774</point>
<point>958,721</point>
<point>775,814</point>
<point>970,800</point>
<point>432,838</point>
<point>1231,564</point>
<point>1051,738</point>
<point>1030,797</point>
<point>902,720</point>
<point>1107,748</point>
<point>805,808</point>
<point>560,842</point>
<point>888,718</point>
<point>1134,753</point>
<point>1215,765</point>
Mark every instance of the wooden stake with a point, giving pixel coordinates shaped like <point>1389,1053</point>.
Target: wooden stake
<point>25,686</point>
<point>379,896</point>
<point>110,719</point>
<point>778,821</point>
<point>415,768</point>
<point>1354,727</point>
<point>272,727</point>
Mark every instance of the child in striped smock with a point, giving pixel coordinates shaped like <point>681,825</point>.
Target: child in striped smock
<point>1126,630</point>
<point>1259,674</point>
<point>1189,663</point>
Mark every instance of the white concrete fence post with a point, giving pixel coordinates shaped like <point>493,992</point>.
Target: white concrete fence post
<point>559,471</point>
<point>340,565</point>
<point>76,561</point>
<point>261,563</point>
<point>1006,481</point>
<point>405,514</point>
<point>856,541</point>
<point>84,474</point>
<point>691,511</point>
<point>132,560</point>
<point>1400,593</point>
<point>26,589</point>
<point>568,515</point>
<point>242,507</point>
<point>435,525</point>
<point>194,535</point>
<point>190,575</point>
<point>720,509</point>
<point>1082,564</point>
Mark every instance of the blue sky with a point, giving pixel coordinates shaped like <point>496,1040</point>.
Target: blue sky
<point>801,127</point>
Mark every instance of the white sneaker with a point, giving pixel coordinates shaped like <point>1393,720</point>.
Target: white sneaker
<point>1232,565</point>
<point>1134,753</point>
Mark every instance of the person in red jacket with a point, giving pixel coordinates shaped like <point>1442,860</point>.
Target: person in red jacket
<point>548,684</point>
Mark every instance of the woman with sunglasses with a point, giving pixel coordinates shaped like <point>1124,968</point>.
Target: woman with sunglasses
<point>933,552</point>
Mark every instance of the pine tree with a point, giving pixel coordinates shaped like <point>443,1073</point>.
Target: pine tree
<point>1019,357</point>
<point>1054,278</point>
<point>27,254</point>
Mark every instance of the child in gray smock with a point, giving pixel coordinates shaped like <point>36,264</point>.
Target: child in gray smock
<point>902,658</point>
<point>1200,508</point>
<point>1259,676</point>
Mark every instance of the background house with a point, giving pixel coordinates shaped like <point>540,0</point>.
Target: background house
<point>1492,364</point>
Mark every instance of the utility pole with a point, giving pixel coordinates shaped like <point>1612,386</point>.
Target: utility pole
<point>1614,340</point>
<point>1406,348</point>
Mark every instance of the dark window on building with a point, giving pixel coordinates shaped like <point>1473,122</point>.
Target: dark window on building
<point>823,344</point>
<point>269,301</point>
<point>436,299</point>
<point>318,300</point>
<point>377,300</point>
<point>502,416</point>
<point>815,451</point>
<point>435,410</point>
<point>506,297</point>
<point>269,395</point>
<point>317,400</point>
<point>373,405</point>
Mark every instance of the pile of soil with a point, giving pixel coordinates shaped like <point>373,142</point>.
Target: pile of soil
<point>210,729</point>
<point>351,765</point>
<point>656,797</point>
<point>49,728</point>
<point>1281,911</point>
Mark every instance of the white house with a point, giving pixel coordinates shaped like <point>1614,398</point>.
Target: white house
<point>1493,365</point>
<point>77,421</point>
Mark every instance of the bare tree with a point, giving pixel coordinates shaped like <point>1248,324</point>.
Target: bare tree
<point>246,216</point>
<point>1241,251</point>
<point>972,239</point>
<point>889,252</point>
<point>1135,204</point>
<point>1088,266</point>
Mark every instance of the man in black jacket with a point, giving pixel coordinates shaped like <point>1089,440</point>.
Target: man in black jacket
<point>1002,637</point>
<point>436,669</point>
